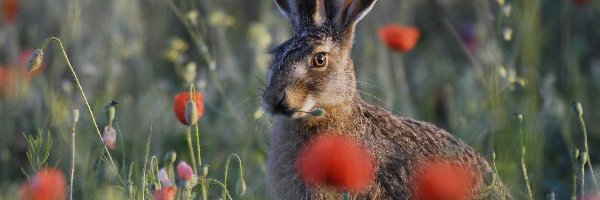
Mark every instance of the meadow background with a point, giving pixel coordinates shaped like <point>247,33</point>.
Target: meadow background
<point>477,63</point>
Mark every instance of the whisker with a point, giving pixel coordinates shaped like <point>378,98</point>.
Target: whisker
<point>373,96</point>
<point>380,88</point>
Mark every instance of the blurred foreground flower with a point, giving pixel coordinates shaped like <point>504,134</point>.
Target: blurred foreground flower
<point>468,36</point>
<point>181,104</point>
<point>336,161</point>
<point>6,76</point>
<point>10,9</point>
<point>581,2</point>
<point>184,170</point>
<point>163,177</point>
<point>110,137</point>
<point>398,37</point>
<point>47,184</point>
<point>440,180</point>
<point>591,196</point>
<point>165,193</point>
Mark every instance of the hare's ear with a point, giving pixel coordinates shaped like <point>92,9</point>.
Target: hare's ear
<point>284,8</point>
<point>304,13</point>
<point>351,12</point>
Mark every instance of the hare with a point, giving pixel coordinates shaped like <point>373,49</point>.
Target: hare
<point>313,71</point>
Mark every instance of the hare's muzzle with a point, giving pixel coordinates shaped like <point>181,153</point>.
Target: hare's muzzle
<point>276,103</point>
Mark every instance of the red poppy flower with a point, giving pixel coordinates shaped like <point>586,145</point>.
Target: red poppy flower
<point>10,9</point>
<point>336,161</point>
<point>581,2</point>
<point>398,37</point>
<point>47,184</point>
<point>166,193</point>
<point>443,181</point>
<point>5,79</point>
<point>181,101</point>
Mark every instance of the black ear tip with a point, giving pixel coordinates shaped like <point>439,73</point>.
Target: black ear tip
<point>284,7</point>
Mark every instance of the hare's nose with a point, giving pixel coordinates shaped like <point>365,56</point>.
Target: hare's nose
<point>282,106</point>
<point>276,103</point>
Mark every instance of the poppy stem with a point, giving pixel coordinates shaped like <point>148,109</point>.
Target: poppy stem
<point>193,96</point>
<point>191,147</point>
<point>72,70</point>
<point>227,172</point>
<point>72,161</point>
<point>523,151</point>
<point>346,196</point>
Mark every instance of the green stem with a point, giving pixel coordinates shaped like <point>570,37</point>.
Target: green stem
<point>191,147</point>
<point>72,161</point>
<point>227,171</point>
<point>583,160</point>
<point>575,156</point>
<point>523,164</point>
<point>144,181</point>
<point>222,186</point>
<point>586,149</point>
<point>87,104</point>
<point>198,145</point>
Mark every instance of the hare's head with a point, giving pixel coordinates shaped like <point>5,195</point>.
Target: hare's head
<point>313,68</point>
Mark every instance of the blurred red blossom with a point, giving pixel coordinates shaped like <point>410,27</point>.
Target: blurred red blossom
<point>185,171</point>
<point>10,10</point>
<point>398,37</point>
<point>181,101</point>
<point>591,196</point>
<point>47,184</point>
<point>336,161</point>
<point>6,79</point>
<point>581,2</point>
<point>165,193</point>
<point>441,180</point>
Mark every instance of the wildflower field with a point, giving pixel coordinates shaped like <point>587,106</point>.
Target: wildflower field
<point>162,99</point>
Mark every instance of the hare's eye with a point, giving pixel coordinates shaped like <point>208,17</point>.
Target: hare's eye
<point>319,60</point>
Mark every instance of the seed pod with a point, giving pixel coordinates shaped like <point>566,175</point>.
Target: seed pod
<point>35,60</point>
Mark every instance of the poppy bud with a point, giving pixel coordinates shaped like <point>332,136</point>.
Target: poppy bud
<point>73,116</point>
<point>241,187</point>
<point>519,117</point>
<point>111,111</point>
<point>185,171</point>
<point>318,112</point>
<point>191,113</point>
<point>163,177</point>
<point>578,108</point>
<point>205,170</point>
<point>35,60</point>
<point>171,157</point>
<point>110,137</point>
